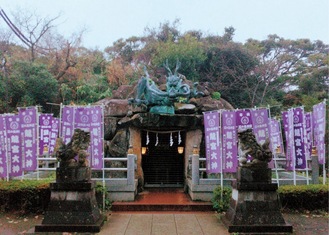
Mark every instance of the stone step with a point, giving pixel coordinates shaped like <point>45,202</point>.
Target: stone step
<point>121,206</point>
<point>162,199</point>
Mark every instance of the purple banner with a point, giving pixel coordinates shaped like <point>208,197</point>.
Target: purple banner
<point>67,123</point>
<point>276,143</point>
<point>87,118</point>
<point>299,138</point>
<point>82,121</point>
<point>96,135</point>
<point>243,120</point>
<point>288,125</point>
<point>212,140</point>
<point>3,152</point>
<point>229,133</point>
<point>54,132</point>
<point>260,122</point>
<point>29,125</point>
<point>44,132</point>
<point>319,124</point>
<point>308,132</point>
<point>14,149</point>
<point>82,118</point>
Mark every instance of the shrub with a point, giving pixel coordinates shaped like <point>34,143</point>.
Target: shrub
<point>304,197</point>
<point>24,196</point>
<point>100,191</point>
<point>221,204</point>
<point>313,197</point>
<point>32,196</point>
<point>215,95</point>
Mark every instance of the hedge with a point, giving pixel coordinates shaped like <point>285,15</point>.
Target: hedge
<point>304,197</point>
<point>313,197</point>
<point>32,196</point>
<point>24,196</point>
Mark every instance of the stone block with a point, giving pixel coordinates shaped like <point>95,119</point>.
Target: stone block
<point>246,174</point>
<point>255,205</point>
<point>72,208</point>
<point>73,174</point>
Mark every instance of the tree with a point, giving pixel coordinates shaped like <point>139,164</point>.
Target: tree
<point>282,63</point>
<point>228,69</point>
<point>120,73</point>
<point>187,50</point>
<point>30,29</point>
<point>31,84</point>
<point>93,90</point>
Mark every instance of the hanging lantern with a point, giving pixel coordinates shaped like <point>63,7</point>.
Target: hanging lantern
<point>144,149</point>
<point>180,149</point>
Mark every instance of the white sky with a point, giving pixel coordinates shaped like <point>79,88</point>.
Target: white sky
<point>109,20</point>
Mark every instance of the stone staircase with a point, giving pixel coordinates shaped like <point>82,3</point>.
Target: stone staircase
<point>162,199</point>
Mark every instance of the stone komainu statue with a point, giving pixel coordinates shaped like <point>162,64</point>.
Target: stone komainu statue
<point>261,154</point>
<point>77,147</point>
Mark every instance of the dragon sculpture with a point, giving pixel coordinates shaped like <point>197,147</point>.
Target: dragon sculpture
<point>150,95</point>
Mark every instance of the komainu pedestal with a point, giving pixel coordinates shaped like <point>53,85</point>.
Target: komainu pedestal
<point>255,205</point>
<point>73,206</point>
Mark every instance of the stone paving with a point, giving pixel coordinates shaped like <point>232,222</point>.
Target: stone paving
<point>163,224</point>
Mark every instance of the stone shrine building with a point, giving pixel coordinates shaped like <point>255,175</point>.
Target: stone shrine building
<point>162,140</point>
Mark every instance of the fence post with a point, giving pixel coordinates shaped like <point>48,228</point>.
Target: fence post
<point>131,158</point>
<point>195,169</point>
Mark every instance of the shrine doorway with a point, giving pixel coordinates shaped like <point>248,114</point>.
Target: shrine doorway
<point>163,158</point>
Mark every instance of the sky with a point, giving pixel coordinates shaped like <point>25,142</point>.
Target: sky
<point>106,21</point>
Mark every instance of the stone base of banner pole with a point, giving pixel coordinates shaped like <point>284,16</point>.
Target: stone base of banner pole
<point>255,205</point>
<point>73,206</point>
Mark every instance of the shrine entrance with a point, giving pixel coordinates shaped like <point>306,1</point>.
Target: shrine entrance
<point>163,158</point>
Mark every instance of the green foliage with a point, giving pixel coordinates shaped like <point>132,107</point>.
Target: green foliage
<point>304,197</point>
<point>221,198</point>
<point>31,84</point>
<point>255,73</point>
<point>31,196</point>
<point>300,197</point>
<point>66,93</point>
<point>187,50</point>
<point>227,69</point>
<point>102,195</point>
<point>24,196</point>
<point>215,95</point>
<point>92,90</point>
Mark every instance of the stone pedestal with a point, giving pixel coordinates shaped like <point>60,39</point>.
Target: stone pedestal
<point>255,205</point>
<point>73,206</point>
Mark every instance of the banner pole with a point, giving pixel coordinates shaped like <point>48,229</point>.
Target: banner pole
<point>324,174</point>
<point>21,144</point>
<point>221,156</point>
<point>324,161</point>
<point>6,149</point>
<point>103,167</point>
<point>60,121</point>
<point>275,154</point>
<point>38,136</point>
<point>293,145</point>
<point>305,144</point>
